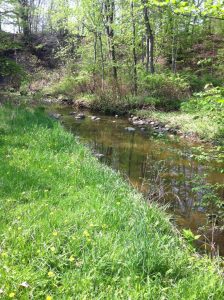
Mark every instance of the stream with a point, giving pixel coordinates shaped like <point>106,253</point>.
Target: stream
<point>159,166</point>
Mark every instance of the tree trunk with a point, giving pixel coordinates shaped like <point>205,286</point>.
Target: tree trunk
<point>109,7</point>
<point>149,40</point>
<point>174,50</point>
<point>102,60</point>
<point>95,49</point>
<point>143,51</point>
<point>135,78</point>
<point>24,15</point>
<point>95,59</point>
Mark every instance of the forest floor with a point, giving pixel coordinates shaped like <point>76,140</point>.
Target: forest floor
<point>71,226</point>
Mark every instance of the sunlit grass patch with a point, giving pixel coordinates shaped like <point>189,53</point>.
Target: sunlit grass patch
<point>200,124</point>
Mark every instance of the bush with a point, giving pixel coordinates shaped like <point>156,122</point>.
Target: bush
<point>197,83</point>
<point>111,102</point>
<point>169,89</point>
<point>71,85</point>
<point>11,72</point>
<point>211,100</point>
<point>209,103</point>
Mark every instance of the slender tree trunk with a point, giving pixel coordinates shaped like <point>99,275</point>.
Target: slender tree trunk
<point>109,7</point>
<point>113,55</point>
<point>134,50</point>
<point>102,60</point>
<point>113,51</point>
<point>95,59</point>
<point>143,51</point>
<point>24,15</point>
<point>149,40</point>
<point>174,50</point>
<point>95,48</point>
<point>174,56</point>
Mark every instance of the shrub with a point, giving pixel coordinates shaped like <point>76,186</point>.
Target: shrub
<point>197,83</point>
<point>209,103</point>
<point>11,71</point>
<point>109,102</point>
<point>211,100</point>
<point>113,101</point>
<point>169,89</point>
<point>71,85</point>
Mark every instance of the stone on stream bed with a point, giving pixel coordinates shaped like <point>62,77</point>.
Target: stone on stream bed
<point>140,123</point>
<point>95,118</point>
<point>55,116</point>
<point>80,117</point>
<point>99,155</point>
<point>65,99</point>
<point>135,118</point>
<point>130,129</point>
<point>159,127</point>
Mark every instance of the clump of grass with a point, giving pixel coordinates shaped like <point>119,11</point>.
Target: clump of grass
<point>70,227</point>
<point>202,115</point>
<point>71,86</point>
<point>204,126</point>
<point>169,90</point>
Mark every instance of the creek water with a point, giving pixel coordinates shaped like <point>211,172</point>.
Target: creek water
<point>161,167</point>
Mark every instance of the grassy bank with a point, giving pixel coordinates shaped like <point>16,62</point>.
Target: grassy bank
<point>72,229</point>
<point>204,126</point>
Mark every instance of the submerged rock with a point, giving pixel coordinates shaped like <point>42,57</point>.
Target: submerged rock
<point>139,123</point>
<point>99,155</point>
<point>82,103</point>
<point>80,116</point>
<point>55,116</point>
<point>135,118</point>
<point>130,129</point>
<point>94,118</point>
<point>65,99</point>
<point>49,100</point>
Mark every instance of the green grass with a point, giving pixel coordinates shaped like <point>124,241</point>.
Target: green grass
<point>205,126</point>
<point>72,229</point>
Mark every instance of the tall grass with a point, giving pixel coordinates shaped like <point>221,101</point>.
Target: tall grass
<point>72,229</point>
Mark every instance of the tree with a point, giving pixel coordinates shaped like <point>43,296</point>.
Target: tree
<point>149,39</point>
